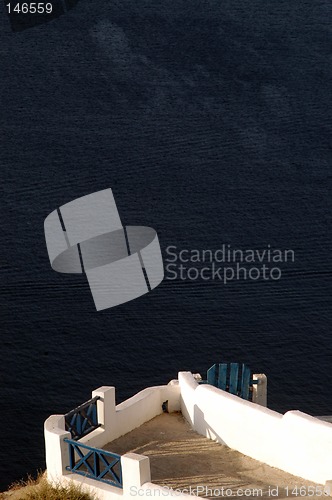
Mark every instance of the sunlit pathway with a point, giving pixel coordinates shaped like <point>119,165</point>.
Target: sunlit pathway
<point>181,458</point>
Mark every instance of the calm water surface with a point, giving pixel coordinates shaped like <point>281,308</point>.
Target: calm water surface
<point>212,124</point>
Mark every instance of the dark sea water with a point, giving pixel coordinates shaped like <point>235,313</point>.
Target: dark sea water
<point>211,121</point>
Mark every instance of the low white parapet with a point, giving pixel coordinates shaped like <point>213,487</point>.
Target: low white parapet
<point>295,442</point>
<point>115,420</point>
<point>120,419</point>
<point>307,446</point>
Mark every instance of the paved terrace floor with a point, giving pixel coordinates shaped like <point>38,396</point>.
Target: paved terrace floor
<point>180,458</point>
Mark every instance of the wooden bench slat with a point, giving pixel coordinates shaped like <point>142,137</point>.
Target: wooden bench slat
<point>222,376</point>
<point>231,377</point>
<point>245,382</point>
<point>211,375</point>
<point>234,378</point>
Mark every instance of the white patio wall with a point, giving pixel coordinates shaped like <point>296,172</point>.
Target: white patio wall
<point>295,442</point>
<point>119,419</point>
<point>116,421</point>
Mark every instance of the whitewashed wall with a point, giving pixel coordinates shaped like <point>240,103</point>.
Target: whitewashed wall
<point>295,442</point>
<point>119,419</point>
<point>116,421</point>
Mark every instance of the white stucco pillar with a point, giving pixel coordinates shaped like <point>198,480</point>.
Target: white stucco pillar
<point>135,472</point>
<point>106,409</point>
<point>57,454</point>
<point>259,390</point>
<point>328,488</point>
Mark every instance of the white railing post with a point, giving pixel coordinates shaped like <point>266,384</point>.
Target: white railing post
<point>328,488</point>
<point>106,409</point>
<point>259,390</point>
<point>135,472</point>
<point>57,454</point>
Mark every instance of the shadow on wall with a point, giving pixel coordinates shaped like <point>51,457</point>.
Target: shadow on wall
<point>202,427</point>
<point>50,9</point>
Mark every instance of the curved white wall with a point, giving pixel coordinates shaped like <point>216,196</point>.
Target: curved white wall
<point>115,422</point>
<point>295,442</point>
<point>144,406</point>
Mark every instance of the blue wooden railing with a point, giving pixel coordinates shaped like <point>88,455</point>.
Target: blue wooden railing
<point>235,378</point>
<point>94,463</point>
<point>83,419</point>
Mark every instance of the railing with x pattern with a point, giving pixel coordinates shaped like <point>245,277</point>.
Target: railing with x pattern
<point>94,463</point>
<point>83,419</point>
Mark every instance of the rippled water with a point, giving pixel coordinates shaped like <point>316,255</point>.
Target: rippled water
<point>212,124</point>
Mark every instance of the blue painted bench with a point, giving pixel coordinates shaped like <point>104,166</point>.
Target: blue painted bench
<point>235,378</point>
